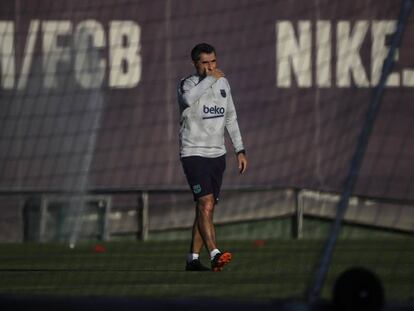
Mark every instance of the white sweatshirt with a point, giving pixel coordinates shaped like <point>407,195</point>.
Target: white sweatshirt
<point>206,108</point>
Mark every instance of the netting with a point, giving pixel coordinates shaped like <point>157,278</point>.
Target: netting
<point>89,141</point>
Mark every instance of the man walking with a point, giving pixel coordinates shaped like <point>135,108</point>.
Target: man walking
<point>206,108</point>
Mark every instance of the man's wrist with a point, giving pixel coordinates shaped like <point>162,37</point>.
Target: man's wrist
<point>241,151</point>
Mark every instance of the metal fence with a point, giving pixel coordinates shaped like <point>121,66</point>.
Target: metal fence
<point>54,215</point>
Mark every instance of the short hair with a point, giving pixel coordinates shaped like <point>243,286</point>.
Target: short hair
<point>201,48</point>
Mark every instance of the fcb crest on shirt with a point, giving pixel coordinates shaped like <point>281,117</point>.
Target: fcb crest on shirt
<point>223,92</point>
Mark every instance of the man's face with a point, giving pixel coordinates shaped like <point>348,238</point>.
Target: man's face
<point>206,63</point>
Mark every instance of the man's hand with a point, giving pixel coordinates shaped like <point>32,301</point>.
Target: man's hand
<point>242,162</point>
<point>216,73</point>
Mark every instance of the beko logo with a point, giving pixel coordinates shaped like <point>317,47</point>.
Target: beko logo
<point>214,112</point>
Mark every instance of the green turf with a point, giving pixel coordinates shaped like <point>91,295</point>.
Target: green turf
<point>277,269</point>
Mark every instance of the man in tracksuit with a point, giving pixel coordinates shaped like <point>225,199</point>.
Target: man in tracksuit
<point>206,108</point>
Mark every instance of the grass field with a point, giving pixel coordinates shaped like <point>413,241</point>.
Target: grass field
<point>273,270</point>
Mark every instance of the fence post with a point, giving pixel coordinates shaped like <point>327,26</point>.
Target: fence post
<point>143,220</point>
<point>105,206</point>
<point>43,218</point>
<point>297,220</point>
